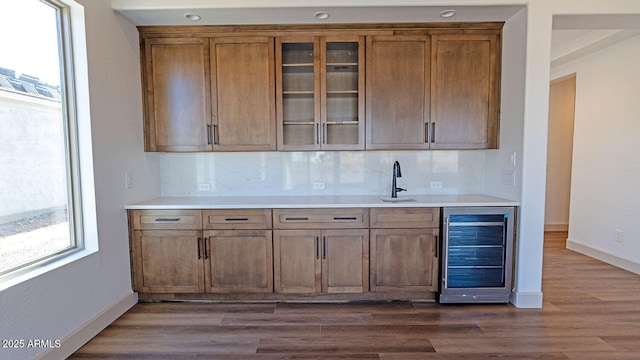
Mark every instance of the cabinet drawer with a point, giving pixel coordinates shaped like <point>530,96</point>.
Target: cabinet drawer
<point>356,218</point>
<point>166,219</point>
<point>404,218</point>
<point>237,219</point>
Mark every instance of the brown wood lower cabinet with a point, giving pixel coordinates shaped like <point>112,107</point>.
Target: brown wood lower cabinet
<point>171,253</point>
<point>313,261</point>
<point>239,261</point>
<point>281,254</point>
<point>404,243</point>
<point>403,260</point>
<point>168,261</point>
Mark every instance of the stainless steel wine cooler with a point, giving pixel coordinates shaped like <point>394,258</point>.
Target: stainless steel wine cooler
<point>477,253</point>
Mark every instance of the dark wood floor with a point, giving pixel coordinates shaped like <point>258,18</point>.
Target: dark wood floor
<point>591,311</point>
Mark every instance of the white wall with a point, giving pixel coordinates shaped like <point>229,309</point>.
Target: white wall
<point>61,302</point>
<point>606,160</point>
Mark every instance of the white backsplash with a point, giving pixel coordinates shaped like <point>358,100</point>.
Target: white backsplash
<point>343,172</point>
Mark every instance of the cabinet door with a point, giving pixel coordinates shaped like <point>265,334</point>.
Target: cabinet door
<point>168,261</point>
<point>465,92</point>
<point>239,261</point>
<point>397,99</point>
<point>177,99</point>
<point>342,100</point>
<point>243,94</point>
<point>404,260</point>
<point>298,93</point>
<point>296,260</point>
<point>345,261</point>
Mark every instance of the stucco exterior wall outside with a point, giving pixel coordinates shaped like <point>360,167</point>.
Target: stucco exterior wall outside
<point>33,177</point>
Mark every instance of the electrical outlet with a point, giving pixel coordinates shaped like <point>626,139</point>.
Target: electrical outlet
<point>204,187</point>
<point>319,185</point>
<point>619,236</point>
<point>509,177</point>
<point>436,184</point>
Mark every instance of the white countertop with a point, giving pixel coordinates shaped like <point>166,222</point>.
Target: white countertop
<point>301,202</point>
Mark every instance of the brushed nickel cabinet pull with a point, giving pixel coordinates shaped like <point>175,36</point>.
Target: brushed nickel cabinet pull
<point>297,219</point>
<point>350,218</point>
<point>208,134</point>
<point>167,219</point>
<point>215,134</point>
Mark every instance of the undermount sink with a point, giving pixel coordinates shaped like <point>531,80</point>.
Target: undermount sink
<point>399,199</point>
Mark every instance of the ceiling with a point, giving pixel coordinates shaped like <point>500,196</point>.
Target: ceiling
<point>145,12</point>
<point>573,35</point>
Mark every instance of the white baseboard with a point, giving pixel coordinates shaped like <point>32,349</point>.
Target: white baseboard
<point>615,260</point>
<point>556,227</point>
<point>74,341</point>
<point>526,300</point>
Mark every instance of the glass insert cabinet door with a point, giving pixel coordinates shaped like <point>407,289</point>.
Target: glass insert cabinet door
<point>319,89</point>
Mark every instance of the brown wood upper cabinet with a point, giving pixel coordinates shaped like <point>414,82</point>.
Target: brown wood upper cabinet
<point>433,91</point>
<point>288,87</point>
<point>243,94</point>
<point>209,94</point>
<point>465,91</point>
<point>398,85</point>
<point>320,82</point>
<point>177,83</point>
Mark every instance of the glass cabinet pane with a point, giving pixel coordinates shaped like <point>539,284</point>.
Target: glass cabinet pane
<point>298,105</point>
<point>341,91</point>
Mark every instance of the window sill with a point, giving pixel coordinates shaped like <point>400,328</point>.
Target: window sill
<point>35,270</point>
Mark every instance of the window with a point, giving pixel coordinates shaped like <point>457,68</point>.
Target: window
<point>40,209</point>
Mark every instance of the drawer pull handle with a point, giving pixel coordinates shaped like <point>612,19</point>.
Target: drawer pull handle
<point>297,219</point>
<point>236,219</point>
<point>345,218</point>
<point>167,219</point>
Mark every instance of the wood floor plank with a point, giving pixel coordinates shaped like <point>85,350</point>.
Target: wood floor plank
<point>473,356</point>
<point>300,319</point>
<point>373,345</point>
<point>399,331</point>
<point>501,345</point>
<point>398,307</point>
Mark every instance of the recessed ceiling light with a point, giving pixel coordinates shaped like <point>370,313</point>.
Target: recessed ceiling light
<point>193,17</point>
<point>321,15</point>
<point>447,13</point>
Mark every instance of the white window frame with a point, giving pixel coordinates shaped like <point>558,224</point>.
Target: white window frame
<point>77,120</point>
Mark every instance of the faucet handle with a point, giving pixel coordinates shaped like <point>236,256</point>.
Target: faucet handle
<point>398,189</point>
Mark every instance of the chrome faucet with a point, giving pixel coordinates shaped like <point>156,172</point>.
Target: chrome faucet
<point>396,174</point>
